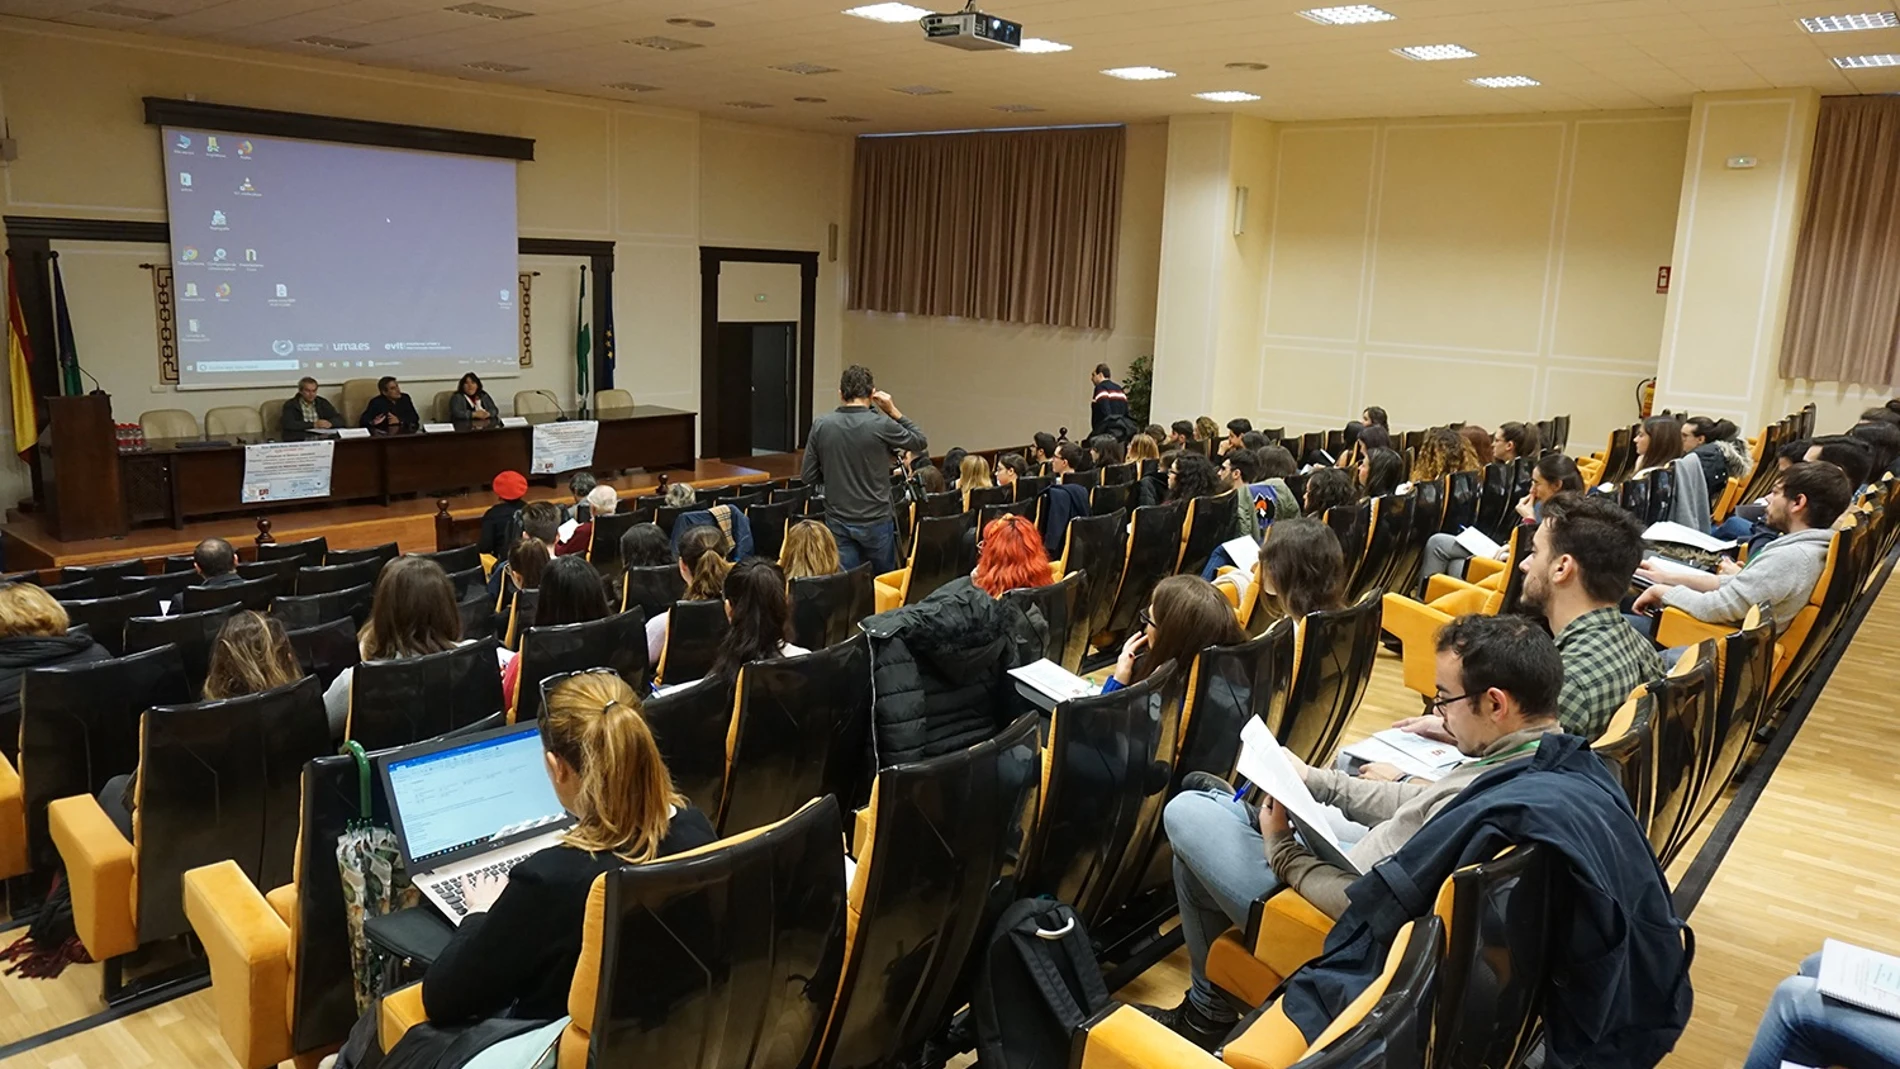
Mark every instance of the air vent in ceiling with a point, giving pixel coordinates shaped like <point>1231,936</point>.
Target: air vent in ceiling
<point>663,44</point>
<point>338,44</point>
<point>919,90</point>
<point>847,118</point>
<point>127,11</point>
<point>633,87</point>
<point>494,68</point>
<point>808,100</point>
<point>804,68</point>
<point>750,105</point>
<point>489,11</point>
<point>696,24</point>
<point>1019,109</point>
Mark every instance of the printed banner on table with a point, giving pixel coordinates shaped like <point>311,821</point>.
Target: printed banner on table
<point>287,471</point>
<point>560,447</point>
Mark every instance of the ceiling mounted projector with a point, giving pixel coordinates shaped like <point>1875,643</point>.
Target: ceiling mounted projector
<point>972,30</point>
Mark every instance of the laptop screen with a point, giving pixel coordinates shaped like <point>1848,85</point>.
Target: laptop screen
<point>492,786</point>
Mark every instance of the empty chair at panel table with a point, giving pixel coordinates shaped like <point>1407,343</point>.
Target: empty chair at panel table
<point>327,649</point>
<point>457,559</point>
<point>161,424</point>
<point>1154,546</point>
<point>394,703</point>
<point>309,610</point>
<point>111,577</point>
<point>801,728</point>
<point>321,580</point>
<point>612,400</point>
<point>535,403</point>
<point>618,642</point>
<point>310,551</point>
<point>194,633</point>
<point>383,554</point>
<point>940,863</point>
<point>694,630</point>
<point>235,421</point>
<point>216,781</point>
<point>106,617</point>
<point>250,593</point>
<point>826,608</point>
<point>79,726</point>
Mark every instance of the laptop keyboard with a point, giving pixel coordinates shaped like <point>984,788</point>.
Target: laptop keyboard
<point>450,890</point>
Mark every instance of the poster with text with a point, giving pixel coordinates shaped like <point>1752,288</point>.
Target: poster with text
<point>287,471</point>
<point>560,447</point>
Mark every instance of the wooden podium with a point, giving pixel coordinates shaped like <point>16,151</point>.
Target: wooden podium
<point>79,469</point>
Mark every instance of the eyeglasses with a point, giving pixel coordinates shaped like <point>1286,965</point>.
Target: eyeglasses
<point>1145,619</point>
<point>1437,705</point>
<point>552,683</point>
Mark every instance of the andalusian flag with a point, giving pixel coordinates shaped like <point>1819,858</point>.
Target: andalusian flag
<point>583,343</point>
<point>65,346</point>
<point>26,426</point>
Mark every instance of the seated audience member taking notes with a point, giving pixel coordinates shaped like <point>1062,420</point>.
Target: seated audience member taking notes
<point>390,409</point>
<point>601,501</point>
<point>308,411</point>
<point>1803,506</point>
<point>1185,616</point>
<point>252,655</point>
<point>703,565</point>
<point>809,550</point>
<point>470,402</point>
<point>847,455</point>
<point>570,593</point>
<point>33,635</point>
<point>1808,1023</point>
<point>1498,681</point>
<point>413,614</point>
<point>503,519</point>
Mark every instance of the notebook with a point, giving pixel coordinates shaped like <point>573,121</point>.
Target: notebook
<point>1860,977</point>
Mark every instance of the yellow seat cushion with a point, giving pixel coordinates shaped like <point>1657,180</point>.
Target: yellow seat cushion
<point>1292,933</point>
<point>401,1010</point>
<point>100,869</point>
<point>247,944</point>
<point>13,860</point>
<point>889,589</point>
<point>1416,626</point>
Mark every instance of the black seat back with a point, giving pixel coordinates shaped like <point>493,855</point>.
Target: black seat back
<point>458,559</point>
<point>219,781</point>
<point>1389,526</point>
<point>106,617</point>
<point>1336,651</point>
<point>308,610</point>
<point>1227,686</point>
<point>1091,478</point>
<point>983,497</point>
<point>691,725</point>
<point>1620,458</point>
<point>694,630</point>
<point>1428,516</point>
<point>249,593</point>
<point>337,576</point>
<point>73,591</point>
<point>1106,499</point>
<point>282,567</point>
<point>1095,546</point>
<point>618,642</point>
<point>110,576</point>
<point>801,729</point>
<point>942,550</point>
<point>1120,474</point>
<point>520,615</point>
<point>770,523</point>
<point>1494,499</point>
<point>941,864</point>
<point>1748,661</point>
<point>826,608</point>
<point>943,503</point>
<point>394,703</point>
<point>1497,959</point>
<point>1154,545</point>
<point>1683,725</point>
<point>1396,1031</point>
<point>79,726</point>
<point>1060,607</point>
<point>726,958</point>
<point>169,585</point>
<point>382,554</point>
<point>469,583</point>
<point>1210,522</point>
<point>1103,792</point>
<point>194,633</point>
<point>651,588</point>
<point>989,514</point>
<point>1461,501</point>
<point>1030,487</point>
<point>326,649</point>
<point>1624,749</point>
<point>310,551</point>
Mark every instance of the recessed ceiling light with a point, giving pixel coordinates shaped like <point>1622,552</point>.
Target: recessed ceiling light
<point>808,100</point>
<point>340,44</point>
<point>494,68</point>
<point>803,68</point>
<point>664,44</point>
<point>753,105</point>
<point>633,87</point>
<point>1228,96</point>
<point>1138,74</point>
<point>847,118</point>
<point>1505,81</point>
<point>1246,66</point>
<point>1885,59</point>
<point>888,12</point>
<point>1873,20</point>
<point>1429,53</point>
<point>697,24</point>
<point>1037,45</point>
<point>489,11</point>
<point>127,11</point>
<point>1020,109</point>
<point>1349,15</point>
<point>919,90</point>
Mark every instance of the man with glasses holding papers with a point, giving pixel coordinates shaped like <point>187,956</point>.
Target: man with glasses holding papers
<point>1498,681</point>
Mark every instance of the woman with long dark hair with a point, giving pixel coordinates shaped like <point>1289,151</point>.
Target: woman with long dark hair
<point>1658,444</point>
<point>470,401</point>
<point>1381,472</point>
<point>761,618</point>
<point>571,593</point>
<point>1192,476</point>
<point>1184,616</point>
<point>703,565</point>
<point>412,614</point>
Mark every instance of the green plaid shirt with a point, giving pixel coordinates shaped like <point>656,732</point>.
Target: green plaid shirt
<point>1604,659</point>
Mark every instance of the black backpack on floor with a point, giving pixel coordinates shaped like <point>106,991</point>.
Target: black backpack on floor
<point>1038,981</point>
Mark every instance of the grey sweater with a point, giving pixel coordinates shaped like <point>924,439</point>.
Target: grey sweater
<point>849,454</point>
<point>1783,574</point>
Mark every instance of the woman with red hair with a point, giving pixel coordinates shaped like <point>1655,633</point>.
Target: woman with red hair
<point>1010,554</point>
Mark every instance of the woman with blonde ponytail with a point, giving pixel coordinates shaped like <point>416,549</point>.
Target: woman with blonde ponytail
<point>703,565</point>
<point>516,951</point>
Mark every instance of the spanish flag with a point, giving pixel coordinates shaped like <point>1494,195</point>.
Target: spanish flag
<point>26,427</point>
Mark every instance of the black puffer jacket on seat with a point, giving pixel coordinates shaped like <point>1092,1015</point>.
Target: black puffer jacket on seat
<point>939,671</point>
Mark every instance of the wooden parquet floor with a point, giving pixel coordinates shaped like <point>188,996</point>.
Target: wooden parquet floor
<point>1814,859</point>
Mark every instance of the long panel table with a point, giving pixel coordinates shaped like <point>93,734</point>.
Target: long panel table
<point>174,481</point>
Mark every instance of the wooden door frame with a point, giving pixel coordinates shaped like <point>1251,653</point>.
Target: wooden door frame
<point>710,259</point>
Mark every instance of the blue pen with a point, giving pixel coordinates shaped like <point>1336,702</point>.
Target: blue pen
<point>1242,792</point>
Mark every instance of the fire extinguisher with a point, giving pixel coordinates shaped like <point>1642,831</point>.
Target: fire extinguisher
<point>1645,397</point>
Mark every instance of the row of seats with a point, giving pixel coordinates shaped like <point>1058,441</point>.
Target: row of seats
<point>232,421</point>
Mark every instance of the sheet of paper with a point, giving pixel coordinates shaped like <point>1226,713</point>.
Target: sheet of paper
<point>1478,544</point>
<point>1373,751</point>
<point>567,530</point>
<point>286,471</point>
<point>1054,680</point>
<point>1670,567</point>
<point>1677,534</point>
<point>1265,764</point>
<point>1414,755</point>
<point>1860,977</point>
<point>1245,552</point>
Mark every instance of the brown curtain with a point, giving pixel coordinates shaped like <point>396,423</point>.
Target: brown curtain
<point>1019,226</point>
<point>1844,309</point>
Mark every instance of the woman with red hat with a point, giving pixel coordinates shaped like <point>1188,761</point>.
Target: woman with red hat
<point>501,524</point>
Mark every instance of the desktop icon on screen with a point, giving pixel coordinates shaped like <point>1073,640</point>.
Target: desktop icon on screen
<point>244,148</point>
<point>284,347</point>
<point>246,187</point>
<point>191,325</point>
<point>183,142</point>
<point>211,144</point>
<point>505,294</point>
<point>189,254</point>
<point>250,256</point>
<point>184,179</point>
<point>191,289</point>
<point>218,255</point>
<point>224,290</point>
<point>283,290</point>
<point>217,218</point>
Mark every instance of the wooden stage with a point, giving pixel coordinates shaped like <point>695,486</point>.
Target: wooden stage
<point>409,522</point>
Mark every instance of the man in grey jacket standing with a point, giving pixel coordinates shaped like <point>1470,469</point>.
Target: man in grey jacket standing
<point>848,454</point>
<point>1803,506</point>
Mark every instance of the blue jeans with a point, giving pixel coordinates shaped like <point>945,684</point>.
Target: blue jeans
<point>1220,867</point>
<point>1220,559</point>
<point>874,542</point>
<point>1805,1027</point>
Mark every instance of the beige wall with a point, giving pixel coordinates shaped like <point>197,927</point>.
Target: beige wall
<point>1028,378</point>
<point>758,293</point>
<point>657,182</point>
<point>1480,269</point>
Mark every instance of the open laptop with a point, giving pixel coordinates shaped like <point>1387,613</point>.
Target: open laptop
<point>470,804</point>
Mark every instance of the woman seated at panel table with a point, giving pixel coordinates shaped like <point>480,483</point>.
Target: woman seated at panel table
<point>471,402</point>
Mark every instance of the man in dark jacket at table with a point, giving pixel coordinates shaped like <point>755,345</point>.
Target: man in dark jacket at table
<point>390,409</point>
<point>308,411</point>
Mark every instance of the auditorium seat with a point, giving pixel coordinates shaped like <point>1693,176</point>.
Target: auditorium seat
<point>989,514</point>
<point>327,577</point>
<point>518,615</point>
<point>936,867</point>
<point>1064,617</point>
<point>770,522</point>
<point>169,585</point>
<point>1416,624</point>
<point>1388,528</point>
<point>1682,724</point>
<point>111,577</point>
<point>652,588</point>
<point>691,726</point>
<point>612,400</point>
<point>941,550</point>
<point>194,633</point>
<point>250,593</point>
<point>460,558</point>
<point>284,568</point>
<point>618,642</point>
<point>604,551</point>
<point>982,496</point>
<point>270,416</point>
<point>1624,748</point>
<point>705,959</point>
<point>1109,498</point>
<point>357,394</point>
<point>382,554</point>
<point>327,649</point>
<point>310,551</point>
<point>395,703</point>
<point>1334,653</point>
<point>694,630</point>
<point>826,608</point>
<point>1154,547</point>
<point>800,728</point>
<point>216,781</point>
<point>161,424</point>
<point>532,403</point>
<point>1209,522</point>
<point>236,421</point>
<point>1747,658</point>
<point>106,617</point>
<point>309,610</point>
<point>1227,686</point>
<point>1094,545</point>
